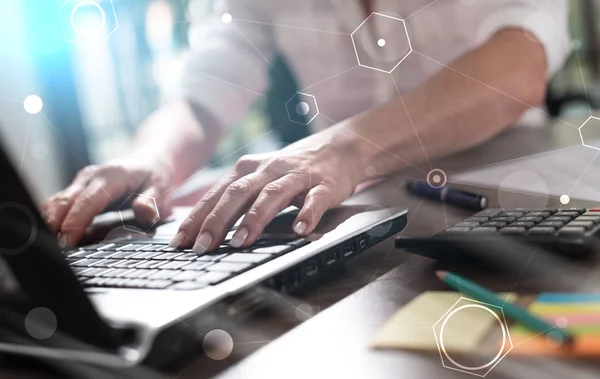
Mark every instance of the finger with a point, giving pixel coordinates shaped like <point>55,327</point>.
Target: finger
<point>274,197</point>
<point>232,205</point>
<point>56,208</point>
<point>149,207</point>
<point>317,202</point>
<point>90,202</point>
<point>190,227</point>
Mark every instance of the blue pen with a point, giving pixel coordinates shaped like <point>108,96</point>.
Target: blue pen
<point>448,195</point>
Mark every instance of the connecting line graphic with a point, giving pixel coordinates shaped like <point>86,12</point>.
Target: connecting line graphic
<point>583,80</point>
<point>420,10</point>
<point>292,27</point>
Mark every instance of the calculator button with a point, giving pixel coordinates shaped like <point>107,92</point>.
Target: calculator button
<point>507,220</point>
<point>572,231</point>
<point>539,230</point>
<point>469,225</point>
<point>566,214</point>
<point>477,219</point>
<point>491,213</point>
<point>523,224</point>
<point>594,219</point>
<point>578,210</point>
<point>538,214</point>
<point>513,230</point>
<point>594,210</point>
<point>552,224</point>
<point>535,220</point>
<point>561,219</point>
<point>484,230</point>
<point>494,224</point>
<point>584,224</point>
<point>458,230</point>
<point>512,214</point>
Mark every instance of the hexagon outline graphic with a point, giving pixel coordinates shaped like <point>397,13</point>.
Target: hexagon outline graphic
<point>581,134</point>
<point>502,351</point>
<point>287,108</point>
<point>91,2</point>
<point>405,32</point>
<point>136,230</point>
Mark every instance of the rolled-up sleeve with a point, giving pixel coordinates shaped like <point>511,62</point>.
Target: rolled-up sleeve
<point>546,20</point>
<point>226,70</point>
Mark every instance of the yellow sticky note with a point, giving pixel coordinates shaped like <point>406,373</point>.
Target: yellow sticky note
<point>412,327</point>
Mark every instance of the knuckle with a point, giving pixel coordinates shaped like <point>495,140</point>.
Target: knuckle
<point>245,163</point>
<point>214,220</point>
<point>240,187</point>
<point>277,165</point>
<point>253,216</point>
<point>273,189</point>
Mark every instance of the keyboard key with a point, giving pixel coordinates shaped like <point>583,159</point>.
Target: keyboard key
<point>79,254</point>
<point>93,272</point>
<point>170,249</point>
<point>548,210</point>
<point>542,230</point>
<point>277,249</point>
<point>128,247</point>
<point>523,224</point>
<point>566,214</point>
<point>158,284</point>
<point>477,219</point>
<point>146,264</point>
<point>188,286</point>
<point>85,262</point>
<point>102,254</point>
<point>229,267</point>
<point>173,265</point>
<point>115,273</point>
<point>299,243</point>
<point>164,274</point>
<point>572,231</point>
<point>123,254</point>
<point>552,224</point>
<point>469,225</point>
<point>493,224</point>
<point>254,258</point>
<point>104,246</point>
<point>214,277</point>
<point>153,248</point>
<point>94,282</point>
<point>191,257</point>
<point>584,224</point>
<point>513,230</point>
<point>453,230</point>
<point>79,270</point>
<point>539,214</point>
<point>562,219</point>
<point>507,220</point>
<point>166,256</point>
<point>196,266</point>
<point>139,274</point>
<point>105,263</point>
<point>145,254</point>
<point>187,275</point>
<point>535,220</point>
<point>484,230</point>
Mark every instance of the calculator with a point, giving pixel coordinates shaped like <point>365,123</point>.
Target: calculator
<point>570,232</point>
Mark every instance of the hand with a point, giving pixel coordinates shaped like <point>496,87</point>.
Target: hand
<point>315,174</point>
<point>96,188</point>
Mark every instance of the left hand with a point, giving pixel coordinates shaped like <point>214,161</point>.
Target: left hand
<point>316,173</point>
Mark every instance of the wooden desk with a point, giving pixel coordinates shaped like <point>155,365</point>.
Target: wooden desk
<point>278,341</point>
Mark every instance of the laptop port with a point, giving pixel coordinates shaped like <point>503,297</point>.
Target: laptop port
<point>348,249</point>
<point>362,243</point>
<point>330,257</point>
<point>311,268</point>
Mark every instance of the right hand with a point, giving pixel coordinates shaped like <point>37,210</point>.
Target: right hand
<point>97,188</point>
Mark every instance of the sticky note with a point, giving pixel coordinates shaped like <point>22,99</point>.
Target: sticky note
<point>412,326</point>
<point>559,297</point>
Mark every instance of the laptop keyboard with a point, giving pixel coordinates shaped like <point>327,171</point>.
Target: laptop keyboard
<point>157,266</point>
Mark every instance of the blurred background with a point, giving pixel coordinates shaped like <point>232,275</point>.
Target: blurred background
<point>96,96</point>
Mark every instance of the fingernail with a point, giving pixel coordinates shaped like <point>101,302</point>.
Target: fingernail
<point>300,227</point>
<point>63,240</point>
<point>202,243</point>
<point>177,240</point>
<point>239,237</point>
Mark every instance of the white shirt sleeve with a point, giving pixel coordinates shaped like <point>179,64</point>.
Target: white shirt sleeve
<point>227,68</point>
<point>547,20</point>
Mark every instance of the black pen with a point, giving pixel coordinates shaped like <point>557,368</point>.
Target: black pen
<point>448,195</point>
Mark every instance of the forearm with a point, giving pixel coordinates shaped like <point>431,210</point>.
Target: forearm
<point>465,104</point>
<point>174,135</point>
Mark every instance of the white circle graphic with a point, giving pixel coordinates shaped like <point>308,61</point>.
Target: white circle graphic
<point>32,233</point>
<point>226,18</point>
<point>381,42</point>
<point>217,344</point>
<point>33,104</point>
<point>436,178</point>
<point>89,29</point>
<point>304,312</point>
<point>473,368</point>
<point>302,108</point>
<point>565,199</point>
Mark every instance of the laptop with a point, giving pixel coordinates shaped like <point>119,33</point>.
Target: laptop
<point>130,301</point>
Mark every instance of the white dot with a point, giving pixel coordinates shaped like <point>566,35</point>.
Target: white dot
<point>437,179</point>
<point>41,323</point>
<point>39,151</point>
<point>226,18</point>
<point>575,44</point>
<point>304,312</point>
<point>302,108</point>
<point>565,199</point>
<point>562,322</point>
<point>33,104</point>
<point>370,171</point>
<point>381,42</point>
<point>217,344</point>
